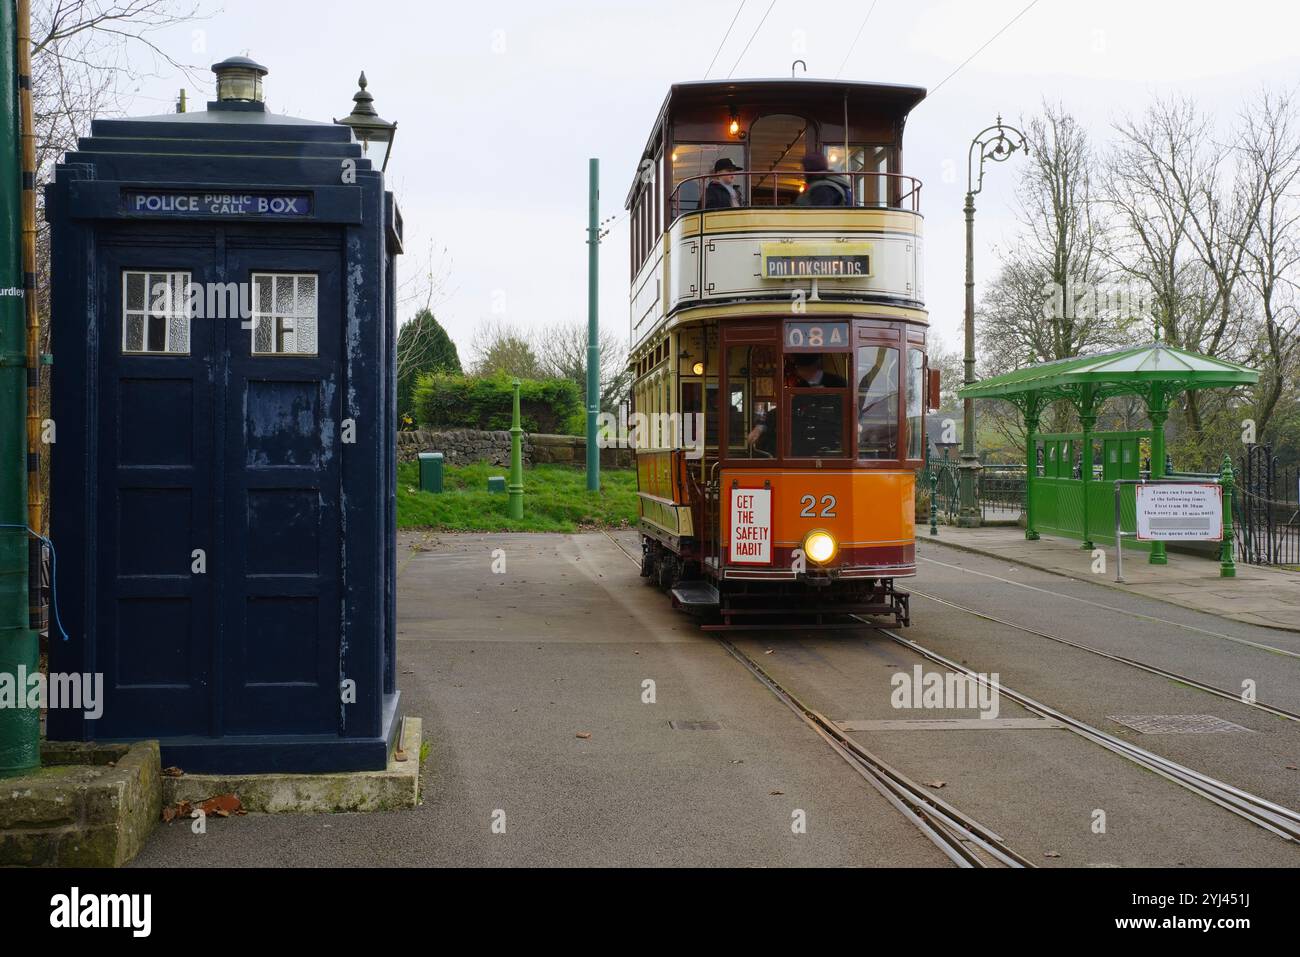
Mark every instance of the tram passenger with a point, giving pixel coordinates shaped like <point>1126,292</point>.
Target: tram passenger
<point>822,187</point>
<point>722,192</point>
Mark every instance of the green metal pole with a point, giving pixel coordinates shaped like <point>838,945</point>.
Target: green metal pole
<point>515,490</point>
<point>934,490</point>
<point>593,322</point>
<point>19,726</point>
<point>1158,412</point>
<point>1087,421</point>
<point>1227,565</point>
<point>968,511</point>
<point>1031,466</point>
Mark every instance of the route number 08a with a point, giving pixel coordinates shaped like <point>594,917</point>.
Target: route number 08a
<point>809,503</point>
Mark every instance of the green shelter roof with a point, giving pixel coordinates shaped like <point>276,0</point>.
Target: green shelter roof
<point>1133,370</point>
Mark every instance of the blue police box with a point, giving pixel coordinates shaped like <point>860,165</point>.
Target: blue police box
<point>223,490</point>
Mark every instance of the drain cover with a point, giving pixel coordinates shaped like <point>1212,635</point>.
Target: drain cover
<point>695,725</point>
<point>1176,723</point>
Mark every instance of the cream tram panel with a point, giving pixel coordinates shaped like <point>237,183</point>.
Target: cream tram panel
<point>733,266</point>
<point>647,299</point>
<point>684,274</point>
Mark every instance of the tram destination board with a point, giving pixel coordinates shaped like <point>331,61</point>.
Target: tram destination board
<point>1179,512</point>
<point>816,261</point>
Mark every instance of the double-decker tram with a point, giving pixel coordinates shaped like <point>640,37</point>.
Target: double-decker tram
<point>778,344</point>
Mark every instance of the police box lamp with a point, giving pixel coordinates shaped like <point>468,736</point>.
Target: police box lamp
<point>367,126</point>
<point>239,84</point>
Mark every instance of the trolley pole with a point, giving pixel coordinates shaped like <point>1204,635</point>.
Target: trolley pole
<point>19,726</point>
<point>593,322</point>
<point>515,489</point>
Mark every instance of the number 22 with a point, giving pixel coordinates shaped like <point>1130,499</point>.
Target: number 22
<point>809,502</point>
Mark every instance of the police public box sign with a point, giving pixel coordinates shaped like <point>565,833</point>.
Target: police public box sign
<point>169,203</point>
<point>1182,512</point>
<point>751,526</point>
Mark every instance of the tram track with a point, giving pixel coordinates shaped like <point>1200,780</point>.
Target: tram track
<point>1132,662</point>
<point>1281,821</point>
<point>1273,649</point>
<point>964,840</point>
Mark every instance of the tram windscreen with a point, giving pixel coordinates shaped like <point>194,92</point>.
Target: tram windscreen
<point>877,402</point>
<point>915,402</point>
<point>818,385</point>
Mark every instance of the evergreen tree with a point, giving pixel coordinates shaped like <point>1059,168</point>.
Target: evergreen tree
<point>422,346</point>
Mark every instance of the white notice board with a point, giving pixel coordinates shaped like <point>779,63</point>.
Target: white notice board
<point>751,526</point>
<point>1180,512</point>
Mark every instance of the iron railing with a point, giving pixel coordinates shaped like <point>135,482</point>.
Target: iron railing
<point>780,188</point>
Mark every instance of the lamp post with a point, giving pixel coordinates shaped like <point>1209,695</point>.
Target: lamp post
<point>366,123</point>
<point>994,143</point>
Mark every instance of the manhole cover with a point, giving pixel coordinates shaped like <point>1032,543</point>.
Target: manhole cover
<point>695,725</point>
<point>1176,723</point>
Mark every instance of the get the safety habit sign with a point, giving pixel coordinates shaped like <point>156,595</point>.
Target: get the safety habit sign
<point>751,526</point>
<point>1182,512</point>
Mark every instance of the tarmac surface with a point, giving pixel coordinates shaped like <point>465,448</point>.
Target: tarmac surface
<point>532,683</point>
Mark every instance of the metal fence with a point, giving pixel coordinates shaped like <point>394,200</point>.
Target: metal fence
<point>999,490</point>
<point>1266,509</point>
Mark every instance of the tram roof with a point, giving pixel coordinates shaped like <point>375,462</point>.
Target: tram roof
<point>1123,371</point>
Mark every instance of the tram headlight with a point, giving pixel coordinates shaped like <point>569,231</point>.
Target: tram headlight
<point>820,546</point>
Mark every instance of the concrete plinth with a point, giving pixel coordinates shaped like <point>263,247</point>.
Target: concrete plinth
<point>395,787</point>
<point>89,805</point>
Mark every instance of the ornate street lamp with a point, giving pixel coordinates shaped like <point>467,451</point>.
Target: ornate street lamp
<point>994,143</point>
<point>366,124</point>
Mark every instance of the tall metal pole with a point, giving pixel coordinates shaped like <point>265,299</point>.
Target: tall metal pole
<point>19,726</point>
<point>593,323</point>
<point>993,143</point>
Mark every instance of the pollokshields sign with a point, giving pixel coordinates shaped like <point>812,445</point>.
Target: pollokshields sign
<point>1182,512</point>
<point>751,526</point>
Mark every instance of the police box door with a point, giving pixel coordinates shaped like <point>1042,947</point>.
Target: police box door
<point>281,590</point>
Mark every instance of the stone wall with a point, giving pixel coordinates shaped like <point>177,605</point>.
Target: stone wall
<point>462,446</point>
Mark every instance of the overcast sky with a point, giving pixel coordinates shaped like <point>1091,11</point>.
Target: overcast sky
<point>500,104</point>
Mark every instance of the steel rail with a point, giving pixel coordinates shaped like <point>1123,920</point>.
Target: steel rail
<point>1142,665</point>
<point>1282,821</point>
<point>1123,611</point>
<point>946,827</point>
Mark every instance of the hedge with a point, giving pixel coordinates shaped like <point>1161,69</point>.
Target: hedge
<point>468,402</point>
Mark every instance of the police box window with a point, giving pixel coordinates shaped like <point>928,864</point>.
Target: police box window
<point>284,314</point>
<point>155,313</point>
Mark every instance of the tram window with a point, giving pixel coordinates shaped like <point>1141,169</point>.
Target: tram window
<point>777,145</point>
<point>818,385</point>
<point>697,159</point>
<point>877,402</point>
<point>155,313</point>
<point>915,402</point>
<point>284,314</point>
<point>867,190</point>
<point>752,410</point>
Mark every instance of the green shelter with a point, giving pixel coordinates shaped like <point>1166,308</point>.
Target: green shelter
<point>1063,495</point>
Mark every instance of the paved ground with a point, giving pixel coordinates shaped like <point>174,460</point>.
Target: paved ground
<point>508,669</point>
<point>1257,596</point>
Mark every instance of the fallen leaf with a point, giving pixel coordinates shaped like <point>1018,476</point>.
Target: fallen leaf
<point>1292,767</point>
<point>223,805</point>
<point>172,772</point>
<point>168,814</point>
<point>769,652</point>
<point>775,792</point>
<point>1051,854</point>
<point>937,784</point>
<point>584,735</point>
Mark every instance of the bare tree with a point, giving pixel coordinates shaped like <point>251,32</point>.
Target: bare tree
<point>563,354</point>
<point>502,349</point>
<point>1270,143</point>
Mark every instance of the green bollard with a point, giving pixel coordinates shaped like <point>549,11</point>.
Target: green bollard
<point>1227,566</point>
<point>934,490</point>
<point>515,503</point>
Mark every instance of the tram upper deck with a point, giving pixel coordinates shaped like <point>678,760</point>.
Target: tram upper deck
<point>754,193</point>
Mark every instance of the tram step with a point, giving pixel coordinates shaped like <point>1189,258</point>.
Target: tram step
<point>695,595</point>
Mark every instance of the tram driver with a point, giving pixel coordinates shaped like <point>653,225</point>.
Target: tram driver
<point>816,422</point>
